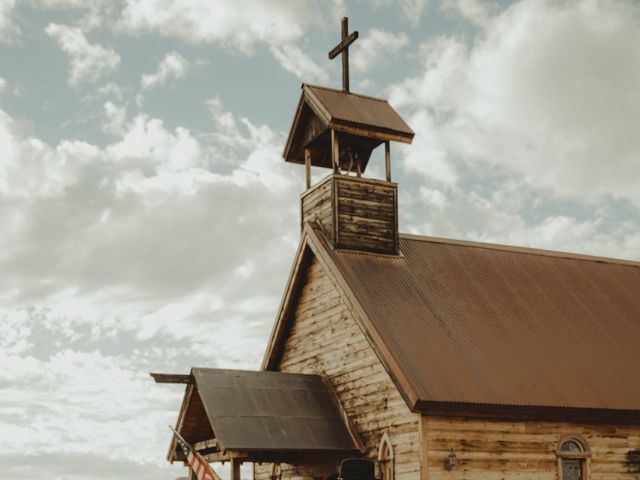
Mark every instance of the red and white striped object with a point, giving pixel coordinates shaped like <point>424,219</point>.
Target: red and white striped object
<point>196,462</point>
<point>200,467</point>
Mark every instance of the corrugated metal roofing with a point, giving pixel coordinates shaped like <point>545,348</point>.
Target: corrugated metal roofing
<point>482,324</point>
<point>271,411</point>
<point>359,109</point>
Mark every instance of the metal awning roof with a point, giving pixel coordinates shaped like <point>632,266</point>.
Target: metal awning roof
<point>268,412</point>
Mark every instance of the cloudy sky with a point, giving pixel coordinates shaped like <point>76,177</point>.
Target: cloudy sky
<point>148,221</point>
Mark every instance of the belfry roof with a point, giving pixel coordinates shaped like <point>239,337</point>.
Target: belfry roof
<point>320,109</point>
<point>361,110</point>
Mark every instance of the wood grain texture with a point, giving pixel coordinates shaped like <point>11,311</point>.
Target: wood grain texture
<point>494,448</point>
<point>354,213</point>
<point>325,339</point>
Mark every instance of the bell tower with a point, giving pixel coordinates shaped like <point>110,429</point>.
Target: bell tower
<point>338,130</point>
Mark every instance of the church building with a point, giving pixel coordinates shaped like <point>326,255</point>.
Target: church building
<point>437,359</point>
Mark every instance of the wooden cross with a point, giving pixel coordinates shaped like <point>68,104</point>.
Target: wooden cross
<point>343,48</point>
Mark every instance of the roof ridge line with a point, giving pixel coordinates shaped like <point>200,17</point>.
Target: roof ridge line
<point>521,249</point>
<point>346,93</point>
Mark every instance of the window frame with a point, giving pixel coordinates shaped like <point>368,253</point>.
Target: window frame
<point>584,455</point>
<point>385,441</point>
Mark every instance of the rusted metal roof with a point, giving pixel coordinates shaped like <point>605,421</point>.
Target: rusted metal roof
<point>364,123</point>
<point>271,411</point>
<point>474,323</point>
<point>359,110</point>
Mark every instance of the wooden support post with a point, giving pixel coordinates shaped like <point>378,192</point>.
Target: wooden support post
<point>307,163</point>
<point>335,151</point>
<point>387,159</point>
<point>423,429</point>
<point>235,469</point>
<point>192,474</point>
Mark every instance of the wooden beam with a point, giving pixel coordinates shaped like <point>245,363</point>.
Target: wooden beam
<point>423,429</point>
<point>186,400</point>
<point>235,469</point>
<point>307,163</point>
<point>365,132</point>
<point>387,159</point>
<point>172,378</point>
<point>352,37</point>
<point>335,151</point>
<point>216,457</point>
<point>343,48</point>
<point>206,444</point>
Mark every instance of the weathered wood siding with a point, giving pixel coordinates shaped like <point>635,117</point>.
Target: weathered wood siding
<point>367,214</point>
<point>325,339</point>
<point>522,448</point>
<point>317,205</point>
<point>355,213</point>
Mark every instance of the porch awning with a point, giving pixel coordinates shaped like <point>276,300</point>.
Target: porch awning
<point>262,416</point>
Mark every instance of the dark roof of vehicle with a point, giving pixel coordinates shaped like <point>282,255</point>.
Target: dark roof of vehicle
<point>271,411</point>
<point>459,322</point>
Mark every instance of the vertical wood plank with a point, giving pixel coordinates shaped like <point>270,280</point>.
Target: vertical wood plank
<point>334,207</point>
<point>335,151</point>
<point>307,164</point>
<point>424,447</point>
<point>395,215</point>
<point>235,469</point>
<point>387,159</point>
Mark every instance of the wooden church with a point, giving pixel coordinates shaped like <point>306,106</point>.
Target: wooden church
<point>437,359</point>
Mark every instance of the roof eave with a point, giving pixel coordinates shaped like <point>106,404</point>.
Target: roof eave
<point>434,407</point>
<point>371,131</point>
<point>294,123</point>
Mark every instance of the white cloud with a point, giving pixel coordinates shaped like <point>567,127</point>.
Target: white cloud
<point>8,29</point>
<point>238,24</point>
<point>89,62</point>
<point>172,66</point>
<point>373,48</point>
<point>477,12</point>
<point>497,208</point>
<point>243,26</point>
<point>116,119</point>
<point>558,109</point>
<point>95,13</point>
<point>21,171</point>
<point>81,393</point>
<point>120,262</point>
<point>295,61</point>
<point>156,186</point>
<point>413,10</point>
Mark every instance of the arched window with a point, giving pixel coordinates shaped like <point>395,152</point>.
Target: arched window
<point>574,458</point>
<point>385,458</point>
